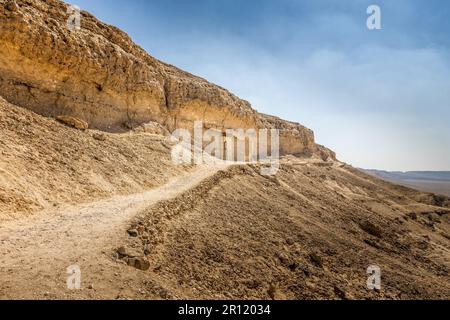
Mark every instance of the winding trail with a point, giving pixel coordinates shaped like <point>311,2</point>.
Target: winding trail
<point>35,252</point>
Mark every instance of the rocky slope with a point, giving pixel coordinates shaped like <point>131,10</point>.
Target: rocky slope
<point>310,232</point>
<point>44,163</point>
<point>99,75</point>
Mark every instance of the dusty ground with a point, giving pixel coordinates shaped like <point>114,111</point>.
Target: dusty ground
<point>44,163</point>
<point>310,232</point>
<point>36,251</point>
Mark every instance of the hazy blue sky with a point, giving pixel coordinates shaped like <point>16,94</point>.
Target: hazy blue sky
<point>380,99</point>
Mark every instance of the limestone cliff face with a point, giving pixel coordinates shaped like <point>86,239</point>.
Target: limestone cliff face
<point>99,75</point>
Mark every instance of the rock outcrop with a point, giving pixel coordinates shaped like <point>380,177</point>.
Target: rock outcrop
<point>98,75</point>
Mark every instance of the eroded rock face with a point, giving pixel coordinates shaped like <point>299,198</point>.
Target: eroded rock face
<point>97,74</point>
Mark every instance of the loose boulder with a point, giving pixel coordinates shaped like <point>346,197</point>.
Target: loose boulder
<point>73,122</point>
<point>139,263</point>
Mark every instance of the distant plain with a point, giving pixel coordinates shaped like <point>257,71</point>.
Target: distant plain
<point>429,181</point>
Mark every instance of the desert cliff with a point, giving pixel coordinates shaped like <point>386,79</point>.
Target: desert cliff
<point>99,75</point>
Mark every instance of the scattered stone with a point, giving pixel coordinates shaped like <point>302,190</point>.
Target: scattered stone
<point>163,293</point>
<point>305,269</point>
<point>442,213</point>
<point>100,159</point>
<point>252,284</point>
<point>373,243</point>
<point>73,122</point>
<point>91,287</point>
<point>290,241</point>
<point>439,200</point>
<point>293,266</point>
<point>331,251</point>
<point>157,268</point>
<point>371,229</point>
<point>152,128</point>
<point>412,215</point>
<point>11,6</point>
<point>127,252</point>
<point>340,293</point>
<point>147,250</point>
<point>139,263</point>
<point>398,221</point>
<point>316,259</point>
<point>128,125</point>
<point>275,294</point>
<point>434,217</point>
<point>140,229</point>
<point>423,245</point>
<point>285,260</point>
<point>272,291</point>
<point>99,136</point>
<point>133,233</point>
<point>431,224</point>
<point>122,251</point>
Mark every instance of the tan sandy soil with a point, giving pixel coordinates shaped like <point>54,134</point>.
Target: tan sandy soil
<point>44,163</point>
<point>310,232</point>
<point>36,251</point>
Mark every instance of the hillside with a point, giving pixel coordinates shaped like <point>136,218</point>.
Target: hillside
<point>310,232</point>
<point>45,163</point>
<point>107,197</point>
